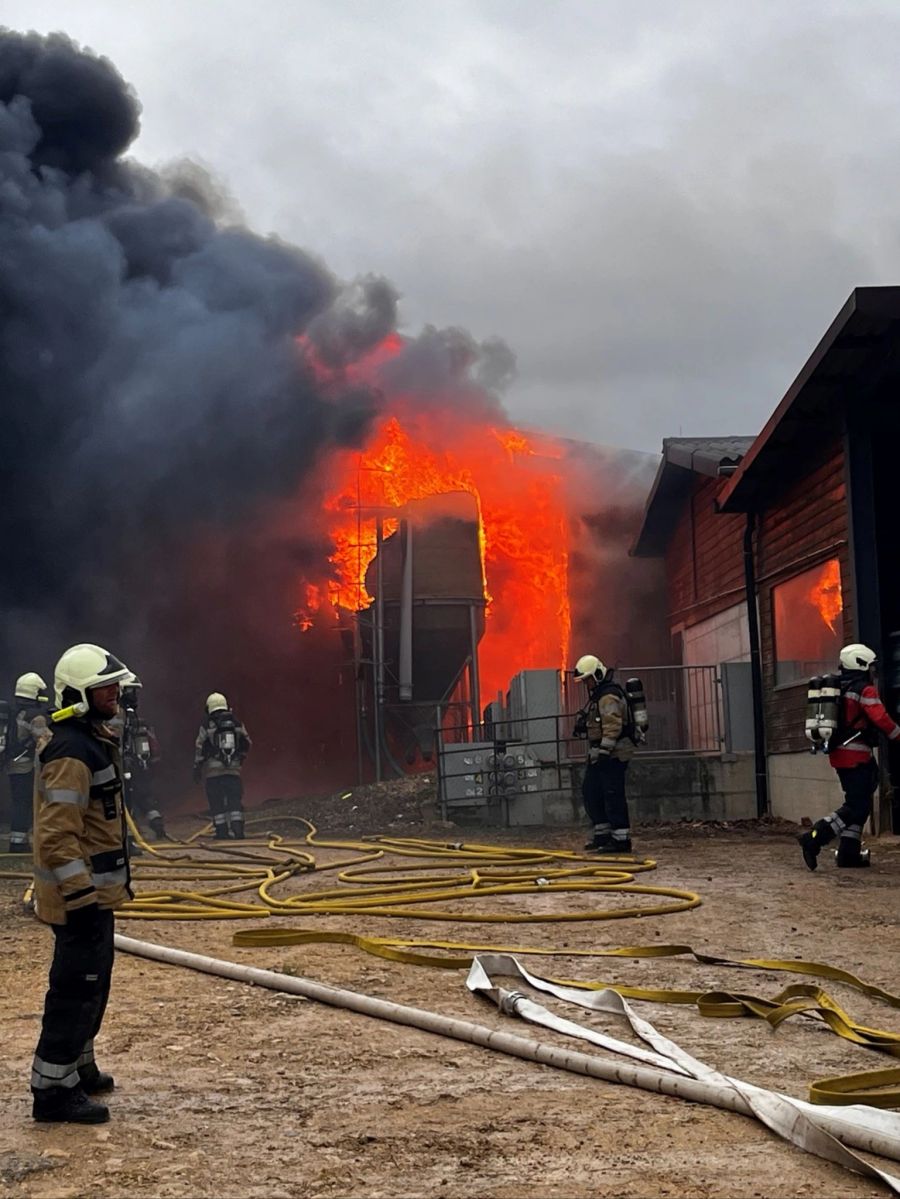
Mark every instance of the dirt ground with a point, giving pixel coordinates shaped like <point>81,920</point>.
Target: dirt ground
<point>227,1090</point>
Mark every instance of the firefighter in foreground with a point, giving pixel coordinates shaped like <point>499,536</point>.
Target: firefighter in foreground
<point>850,737</point>
<point>140,753</point>
<point>27,725</point>
<point>221,747</point>
<point>607,724</point>
<point>81,876</point>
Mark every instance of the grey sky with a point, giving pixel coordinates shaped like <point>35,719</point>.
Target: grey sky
<point>659,206</point>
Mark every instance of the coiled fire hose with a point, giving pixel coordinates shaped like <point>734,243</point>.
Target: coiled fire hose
<point>445,872</point>
<point>474,871</point>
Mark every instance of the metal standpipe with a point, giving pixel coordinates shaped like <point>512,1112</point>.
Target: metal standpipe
<point>406,613</point>
<point>474,680</point>
<point>378,644</point>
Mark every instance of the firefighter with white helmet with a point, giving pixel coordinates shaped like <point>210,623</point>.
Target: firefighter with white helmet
<point>605,723</point>
<point>81,875</point>
<point>862,716</point>
<point>220,749</point>
<point>27,726</point>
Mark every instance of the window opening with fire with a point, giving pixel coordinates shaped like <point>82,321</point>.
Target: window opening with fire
<point>808,625</point>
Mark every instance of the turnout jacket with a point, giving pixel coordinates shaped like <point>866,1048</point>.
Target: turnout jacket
<point>607,722</point>
<point>863,715</point>
<point>80,854</point>
<point>30,727</point>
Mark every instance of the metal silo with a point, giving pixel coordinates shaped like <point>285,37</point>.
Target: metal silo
<point>419,637</point>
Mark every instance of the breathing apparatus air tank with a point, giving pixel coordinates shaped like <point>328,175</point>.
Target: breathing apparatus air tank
<point>142,748</point>
<point>813,699</point>
<point>829,709</point>
<point>637,702</point>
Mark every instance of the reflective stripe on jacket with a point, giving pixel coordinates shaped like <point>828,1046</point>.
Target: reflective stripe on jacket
<point>79,826</point>
<point>862,716</point>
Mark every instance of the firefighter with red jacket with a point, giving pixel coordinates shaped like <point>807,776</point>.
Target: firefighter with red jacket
<point>862,717</point>
<point>81,875</point>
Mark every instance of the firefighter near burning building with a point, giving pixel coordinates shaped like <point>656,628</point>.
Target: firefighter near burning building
<point>140,753</point>
<point>844,716</point>
<point>613,722</point>
<point>23,724</point>
<point>221,747</point>
<point>81,875</point>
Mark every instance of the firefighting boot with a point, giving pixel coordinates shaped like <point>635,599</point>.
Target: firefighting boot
<point>814,841</point>
<point>67,1105</point>
<point>597,843</point>
<point>850,852</point>
<point>221,832</point>
<point>94,1081</point>
<point>19,846</point>
<point>159,829</point>
<point>602,835</point>
<point>615,845</point>
<point>237,827</point>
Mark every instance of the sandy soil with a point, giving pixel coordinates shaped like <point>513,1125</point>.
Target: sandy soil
<point>225,1090</point>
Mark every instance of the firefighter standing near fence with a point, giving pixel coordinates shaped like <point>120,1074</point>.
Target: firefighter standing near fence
<point>861,717</point>
<point>27,727</point>
<point>606,724</point>
<point>81,875</point>
<point>221,747</point>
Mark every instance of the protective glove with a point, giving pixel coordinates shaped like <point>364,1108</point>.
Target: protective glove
<point>596,752</point>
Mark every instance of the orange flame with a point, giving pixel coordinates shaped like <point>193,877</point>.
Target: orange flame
<point>524,530</point>
<point>825,594</point>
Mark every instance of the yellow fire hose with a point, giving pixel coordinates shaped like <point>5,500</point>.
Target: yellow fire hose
<point>450,872</point>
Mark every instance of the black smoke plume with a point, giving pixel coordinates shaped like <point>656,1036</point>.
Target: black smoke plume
<point>157,410</point>
<point>169,382</point>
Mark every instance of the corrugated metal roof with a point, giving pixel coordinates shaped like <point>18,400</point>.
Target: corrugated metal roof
<point>705,455</point>
<point>682,459</point>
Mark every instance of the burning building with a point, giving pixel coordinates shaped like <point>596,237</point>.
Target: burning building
<point>465,551</point>
<point>233,438</point>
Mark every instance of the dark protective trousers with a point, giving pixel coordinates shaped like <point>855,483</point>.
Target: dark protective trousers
<point>21,789</point>
<point>75,1003</point>
<point>858,784</point>
<point>225,794</point>
<point>603,793</point>
<point>139,798</point>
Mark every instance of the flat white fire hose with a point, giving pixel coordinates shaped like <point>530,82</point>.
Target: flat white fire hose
<point>795,1120</point>
<point>828,1132</point>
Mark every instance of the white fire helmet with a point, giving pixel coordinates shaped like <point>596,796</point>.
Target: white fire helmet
<point>857,657</point>
<point>29,686</point>
<point>589,668</point>
<point>216,703</point>
<point>83,667</point>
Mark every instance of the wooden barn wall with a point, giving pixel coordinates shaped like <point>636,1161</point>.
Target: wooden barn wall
<point>704,559</point>
<point>807,525</point>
